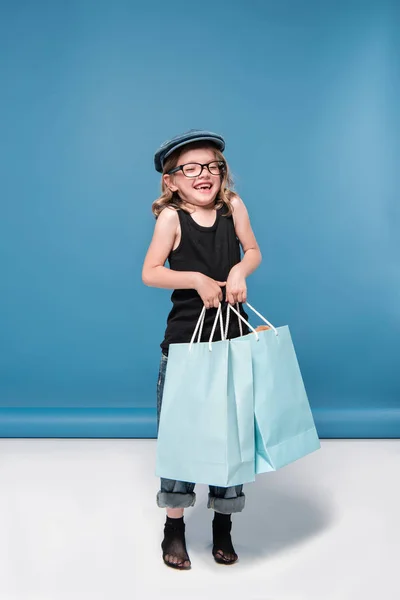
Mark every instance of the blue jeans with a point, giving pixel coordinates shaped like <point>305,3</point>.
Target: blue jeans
<point>180,494</point>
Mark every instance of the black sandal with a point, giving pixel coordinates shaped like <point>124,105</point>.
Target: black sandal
<point>223,550</point>
<point>174,545</point>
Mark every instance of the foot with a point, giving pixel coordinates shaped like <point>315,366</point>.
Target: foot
<point>223,550</point>
<point>225,558</point>
<point>174,545</point>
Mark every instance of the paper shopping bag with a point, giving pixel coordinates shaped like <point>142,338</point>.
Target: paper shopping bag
<point>206,432</point>
<point>284,425</point>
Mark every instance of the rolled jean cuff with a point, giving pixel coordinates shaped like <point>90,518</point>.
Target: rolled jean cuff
<point>226,506</point>
<point>175,500</point>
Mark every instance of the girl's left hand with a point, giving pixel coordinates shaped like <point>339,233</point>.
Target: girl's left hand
<point>236,289</point>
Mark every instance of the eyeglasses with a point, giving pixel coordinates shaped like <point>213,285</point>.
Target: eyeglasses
<point>216,167</point>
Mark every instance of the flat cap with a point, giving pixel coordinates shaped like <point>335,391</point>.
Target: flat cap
<point>194,135</point>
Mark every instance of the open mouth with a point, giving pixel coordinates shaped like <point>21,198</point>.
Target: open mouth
<point>204,187</point>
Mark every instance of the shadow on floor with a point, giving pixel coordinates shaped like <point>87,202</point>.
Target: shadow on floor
<point>280,514</point>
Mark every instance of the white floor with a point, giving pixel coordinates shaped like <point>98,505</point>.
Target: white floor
<point>78,521</point>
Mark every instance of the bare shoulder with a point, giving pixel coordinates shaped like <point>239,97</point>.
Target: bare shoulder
<point>168,231</point>
<point>168,216</point>
<point>242,224</point>
<point>239,209</point>
<point>167,220</point>
<point>236,201</point>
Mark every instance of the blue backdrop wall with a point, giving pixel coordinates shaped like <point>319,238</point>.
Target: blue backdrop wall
<point>306,94</point>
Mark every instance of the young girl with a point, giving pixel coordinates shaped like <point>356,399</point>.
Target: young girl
<point>201,224</point>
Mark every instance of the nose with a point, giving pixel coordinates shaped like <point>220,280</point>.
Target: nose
<point>204,171</point>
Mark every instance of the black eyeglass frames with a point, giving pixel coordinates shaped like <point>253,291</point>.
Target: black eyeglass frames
<point>215,167</point>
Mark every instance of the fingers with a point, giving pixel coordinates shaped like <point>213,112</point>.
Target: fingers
<point>235,296</point>
<point>213,296</point>
<point>213,301</point>
<point>230,298</point>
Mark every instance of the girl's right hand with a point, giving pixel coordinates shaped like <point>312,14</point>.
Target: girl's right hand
<point>209,290</point>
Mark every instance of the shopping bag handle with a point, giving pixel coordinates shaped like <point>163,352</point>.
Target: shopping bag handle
<point>227,322</point>
<point>221,324</point>
<point>230,308</point>
<point>262,318</point>
<point>199,327</point>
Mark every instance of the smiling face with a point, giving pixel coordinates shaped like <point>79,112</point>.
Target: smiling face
<point>197,191</point>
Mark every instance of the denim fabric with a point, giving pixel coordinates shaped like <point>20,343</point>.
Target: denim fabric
<point>180,494</point>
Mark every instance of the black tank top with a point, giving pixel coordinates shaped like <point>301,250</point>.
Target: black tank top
<point>212,251</point>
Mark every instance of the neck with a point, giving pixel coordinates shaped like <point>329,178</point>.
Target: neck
<point>197,208</point>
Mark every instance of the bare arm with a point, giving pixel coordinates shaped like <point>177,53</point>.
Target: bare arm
<point>252,254</point>
<point>154,273</point>
<point>236,289</point>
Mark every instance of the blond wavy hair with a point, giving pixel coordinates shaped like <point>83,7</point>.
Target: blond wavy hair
<point>172,200</point>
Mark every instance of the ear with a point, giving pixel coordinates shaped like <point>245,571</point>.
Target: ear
<point>169,182</point>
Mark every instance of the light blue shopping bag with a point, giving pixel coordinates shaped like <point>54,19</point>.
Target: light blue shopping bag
<point>206,432</point>
<point>284,425</point>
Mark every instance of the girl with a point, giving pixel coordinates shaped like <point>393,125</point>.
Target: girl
<point>201,224</point>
